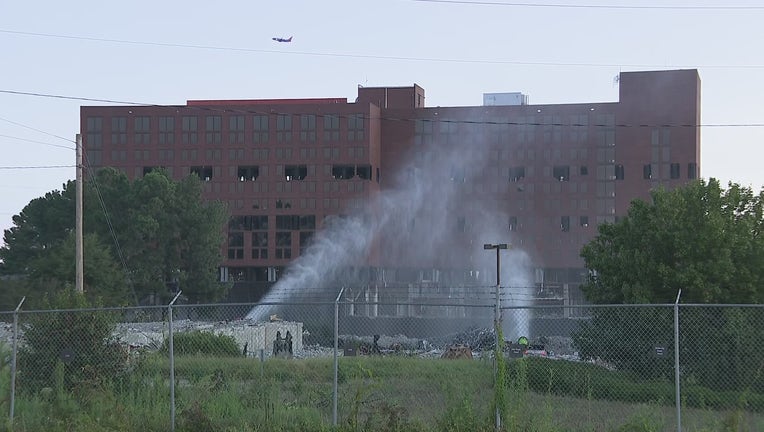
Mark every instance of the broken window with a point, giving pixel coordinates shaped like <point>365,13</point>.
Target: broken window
<point>295,172</point>
<point>343,172</point>
<point>647,171</point>
<point>565,223</point>
<point>583,221</point>
<point>148,169</point>
<point>516,173</point>
<point>619,172</point>
<point>513,223</point>
<point>203,172</point>
<point>561,172</point>
<point>248,173</point>
<point>584,170</point>
<point>457,174</point>
<point>283,204</point>
<point>363,171</point>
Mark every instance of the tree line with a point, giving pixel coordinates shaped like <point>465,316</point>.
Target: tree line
<point>142,240</point>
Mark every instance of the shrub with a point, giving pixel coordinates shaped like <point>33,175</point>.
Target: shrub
<point>199,342</point>
<point>79,342</point>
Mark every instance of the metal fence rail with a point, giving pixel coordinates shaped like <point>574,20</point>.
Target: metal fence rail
<point>370,364</point>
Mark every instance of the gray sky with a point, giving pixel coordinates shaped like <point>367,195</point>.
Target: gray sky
<point>166,52</point>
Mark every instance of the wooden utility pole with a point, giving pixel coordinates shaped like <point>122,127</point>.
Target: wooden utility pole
<point>79,281</point>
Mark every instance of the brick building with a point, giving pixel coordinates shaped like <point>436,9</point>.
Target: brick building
<point>538,176</point>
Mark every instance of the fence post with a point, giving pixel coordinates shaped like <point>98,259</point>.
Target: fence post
<point>336,359</point>
<point>172,362</point>
<point>13,357</point>
<point>676,363</point>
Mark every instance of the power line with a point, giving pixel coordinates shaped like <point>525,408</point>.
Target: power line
<point>228,109</point>
<point>371,56</point>
<point>37,142</point>
<point>35,167</point>
<point>593,6</point>
<point>35,129</point>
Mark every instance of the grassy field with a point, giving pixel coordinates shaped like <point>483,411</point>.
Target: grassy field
<point>395,393</point>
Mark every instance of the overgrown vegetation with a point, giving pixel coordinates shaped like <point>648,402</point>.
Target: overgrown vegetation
<point>68,350</point>
<point>393,393</point>
<point>201,342</point>
<point>701,239</point>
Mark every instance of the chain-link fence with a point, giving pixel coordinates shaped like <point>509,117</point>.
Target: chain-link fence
<point>363,364</point>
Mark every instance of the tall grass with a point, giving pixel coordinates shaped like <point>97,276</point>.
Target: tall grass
<point>395,393</point>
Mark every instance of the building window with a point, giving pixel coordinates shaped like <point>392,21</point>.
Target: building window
<point>284,127</point>
<point>203,172</point>
<point>283,245</point>
<point>307,128</point>
<point>213,129</point>
<point>565,223</point>
<point>513,223</point>
<point>647,171</point>
<point>260,245</point>
<point>190,130</point>
<point>583,170</point>
<point>248,173</point>
<point>236,129</point>
<point>343,172</point>
<point>692,170</point>
<point>355,127</point>
<point>331,127</point>
<point>142,130</point>
<point>94,132</point>
<point>305,238</point>
<point>675,171</point>
<point>619,172</point>
<point>516,173</point>
<point>583,221</point>
<point>260,129</point>
<point>423,132</point>
<point>235,245</point>
<point>461,224</point>
<point>166,130</point>
<point>295,172</point>
<point>561,172</point>
<point>119,130</point>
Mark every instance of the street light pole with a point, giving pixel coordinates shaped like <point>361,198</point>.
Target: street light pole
<point>497,321</point>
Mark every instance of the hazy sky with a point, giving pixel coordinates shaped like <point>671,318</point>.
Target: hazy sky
<point>165,52</point>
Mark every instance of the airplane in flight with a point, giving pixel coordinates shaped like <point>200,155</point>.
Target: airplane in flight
<point>278,39</point>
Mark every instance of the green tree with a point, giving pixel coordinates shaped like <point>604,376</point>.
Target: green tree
<point>702,239</point>
<point>44,222</point>
<point>103,279</point>
<point>159,231</point>
<point>699,238</point>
